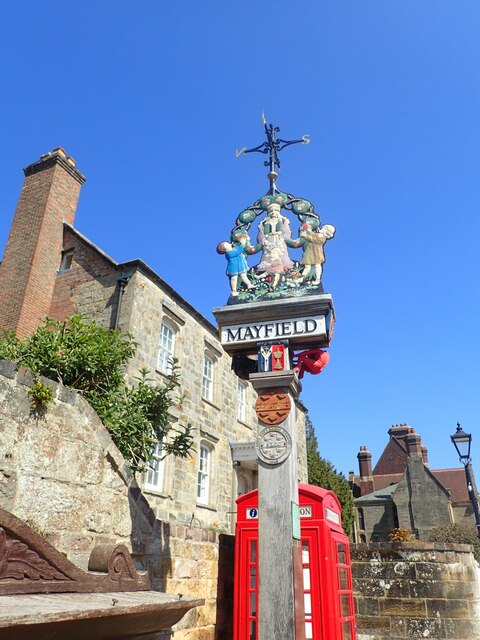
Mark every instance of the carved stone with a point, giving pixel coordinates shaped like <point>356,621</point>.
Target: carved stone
<point>29,564</point>
<point>110,602</point>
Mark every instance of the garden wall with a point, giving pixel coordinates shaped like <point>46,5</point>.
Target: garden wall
<point>416,590</point>
<point>63,475</point>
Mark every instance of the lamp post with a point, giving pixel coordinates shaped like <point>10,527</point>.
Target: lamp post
<point>462,442</point>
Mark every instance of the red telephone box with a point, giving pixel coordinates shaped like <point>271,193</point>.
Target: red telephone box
<point>327,579</point>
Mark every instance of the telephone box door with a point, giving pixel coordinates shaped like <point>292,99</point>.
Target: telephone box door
<point>246,606</point>
<point>326,569</point>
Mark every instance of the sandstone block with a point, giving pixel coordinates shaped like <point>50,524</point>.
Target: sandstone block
<point>448,608</point>
<point>8,369</point>
<point>402,607</point>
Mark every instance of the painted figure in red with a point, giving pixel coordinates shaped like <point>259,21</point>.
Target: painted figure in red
<point>312,360</point>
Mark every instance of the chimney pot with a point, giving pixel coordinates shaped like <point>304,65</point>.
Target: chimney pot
<point>59,151</point>
<point>365,463</point>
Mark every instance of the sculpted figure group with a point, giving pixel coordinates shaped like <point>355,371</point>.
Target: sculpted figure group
<point>276,270</point>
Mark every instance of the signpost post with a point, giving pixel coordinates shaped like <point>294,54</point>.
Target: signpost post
<point>279,314</point>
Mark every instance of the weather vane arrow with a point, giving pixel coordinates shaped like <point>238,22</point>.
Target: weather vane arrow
<point>272,146</point>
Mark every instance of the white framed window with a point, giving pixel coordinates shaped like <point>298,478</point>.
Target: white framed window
<point>203,479</point>
<point>241,400</point>
<point>166,348</point>
<point>156,467</point>
<point>207,379</point>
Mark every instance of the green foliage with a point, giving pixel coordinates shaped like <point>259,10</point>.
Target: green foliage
<point>137,417</point>
<point>91,360</point>
<point>459,534</point>
<point>77,352</point>
<point>401,535</point>
<point>322,473</point>
<point>41,396</point>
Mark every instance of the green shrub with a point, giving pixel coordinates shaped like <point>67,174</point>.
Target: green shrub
<point>457,533</point>
<point>90,359</point>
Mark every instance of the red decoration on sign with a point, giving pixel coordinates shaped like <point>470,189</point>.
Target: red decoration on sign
<point>278,357</point>
<point>312,360</point>
<point>273,406</point>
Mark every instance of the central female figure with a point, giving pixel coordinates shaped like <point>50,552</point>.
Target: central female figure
<point>272,233</point>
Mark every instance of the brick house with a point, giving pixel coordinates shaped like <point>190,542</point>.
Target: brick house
<point>402,491</point>
<point>50,269</point>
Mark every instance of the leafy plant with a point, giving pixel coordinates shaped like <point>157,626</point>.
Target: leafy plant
<point>401,535</point>
<point>77,352</point>
<point>90,359</point>
<point>138,418</point>
<point>41,396</point>
<point>322,473</point>
<point>459,534</point>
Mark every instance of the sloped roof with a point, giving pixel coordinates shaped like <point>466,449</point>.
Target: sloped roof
<point>454,480</point>
<point>385,480</point>
<point>451,479</point>
<point>381,495</point>
<point>393,459</point>
<point>150,273</point>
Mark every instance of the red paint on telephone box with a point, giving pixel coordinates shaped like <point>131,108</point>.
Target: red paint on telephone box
<point>327,577</point>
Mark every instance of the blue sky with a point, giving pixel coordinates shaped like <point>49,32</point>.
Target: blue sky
<point>153,98</point>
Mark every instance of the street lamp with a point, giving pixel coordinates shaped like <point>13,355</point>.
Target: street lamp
<point>462,442</point>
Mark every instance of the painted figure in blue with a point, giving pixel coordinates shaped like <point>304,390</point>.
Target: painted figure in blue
<point>236,263</point>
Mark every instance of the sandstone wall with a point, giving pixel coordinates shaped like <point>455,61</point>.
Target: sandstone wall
<point>145,306</point>
<point>416,590</point>
<point>90,286</point>
<point>63,475</point>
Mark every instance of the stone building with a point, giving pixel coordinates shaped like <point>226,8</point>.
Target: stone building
<point>402,491</point>
<point>65,474</point>
<point>50,269</point>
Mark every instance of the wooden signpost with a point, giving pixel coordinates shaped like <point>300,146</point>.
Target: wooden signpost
<point>275,310</point>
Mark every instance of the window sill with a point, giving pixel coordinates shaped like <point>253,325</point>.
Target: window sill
<point>162,374</point>
<point>201,505</point>
<point>209,402</point>
<point>156,492</point>
<point>245,424</point>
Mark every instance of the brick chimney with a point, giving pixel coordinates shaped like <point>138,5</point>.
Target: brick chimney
<point>400,431</point>
<point>365,463</point>
<point>414,445</point>
<point>425,455</point>
<point>365,484</point>
<point>49,197</point>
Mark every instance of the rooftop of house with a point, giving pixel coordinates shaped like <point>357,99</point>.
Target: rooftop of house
<point>392,463</point>
<point>379,495</point>
<point>150,273</point>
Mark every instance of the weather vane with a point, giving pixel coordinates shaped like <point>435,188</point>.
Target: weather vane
<point>273,147</point>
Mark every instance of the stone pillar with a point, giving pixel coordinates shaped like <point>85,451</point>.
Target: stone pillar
<point>280,583</point>
<point>33,253</point>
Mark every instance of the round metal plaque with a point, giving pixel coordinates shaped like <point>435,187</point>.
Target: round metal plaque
<point>273,445</point>
<point>273,406</point>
